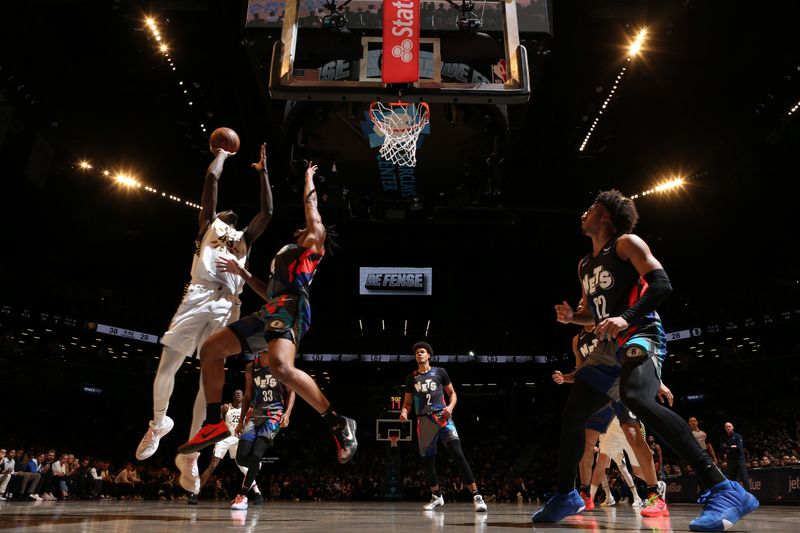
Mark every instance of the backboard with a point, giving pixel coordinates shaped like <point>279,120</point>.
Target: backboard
<point>386,426</point>
<point>320,58</point>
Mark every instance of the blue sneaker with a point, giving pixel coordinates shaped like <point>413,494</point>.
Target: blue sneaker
<point>725,504</point>
<point>559,506</point>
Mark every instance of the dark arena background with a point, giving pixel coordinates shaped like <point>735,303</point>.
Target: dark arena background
<point>690,108</point>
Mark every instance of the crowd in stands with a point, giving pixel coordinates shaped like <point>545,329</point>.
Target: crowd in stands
<point>506,470</point>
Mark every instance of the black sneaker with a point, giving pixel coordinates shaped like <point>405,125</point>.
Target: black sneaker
<point>258,499</point>
<point>192,499</point>
<point>344,435</point>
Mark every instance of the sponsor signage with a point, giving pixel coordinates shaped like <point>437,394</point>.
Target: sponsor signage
<point>395,281</point>
<point>401,41</point>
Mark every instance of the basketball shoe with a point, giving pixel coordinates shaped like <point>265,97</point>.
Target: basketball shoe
<point>435,503</point>
<point>560,506</point>
<point>344,435</point>
<point>209,434</point>
<point>149,443</point>
<point>725,503</point>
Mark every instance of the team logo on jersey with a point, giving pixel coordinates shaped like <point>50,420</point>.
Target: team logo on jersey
<point>600,279</point>
<point>265,382</point>
<point>588,347</point>
<point>634,352</point>
<point>277,324</point>
<point>428,385</point>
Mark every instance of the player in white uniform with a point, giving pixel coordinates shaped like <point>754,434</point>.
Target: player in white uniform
<point>211,302</point>
<point>612,445</point>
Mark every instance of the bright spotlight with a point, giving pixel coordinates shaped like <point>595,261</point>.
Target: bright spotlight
<point>669,185</point>
<point>636,46</point>
<point>126,180</point>
<point>85,165</point>
<point>164,48</point>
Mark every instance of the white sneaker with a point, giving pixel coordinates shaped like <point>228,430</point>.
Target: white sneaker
<point>436,502</point>
<point>480,505</point>
<point>36,497</point>
<point>662,490</point>
<point>637,501</point>
<point>609,503</point>
<point>149,443</point>
<point>240,503</point>
<point>190,476</point>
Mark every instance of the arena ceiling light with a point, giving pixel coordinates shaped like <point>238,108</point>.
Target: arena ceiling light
<point>124,179</point>
<point>633,51</point>
<point>669,185</point>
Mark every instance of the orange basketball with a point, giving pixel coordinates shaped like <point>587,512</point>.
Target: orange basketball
<point>224,138</point>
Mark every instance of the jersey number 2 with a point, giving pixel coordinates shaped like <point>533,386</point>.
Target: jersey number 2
<point>600,306</point>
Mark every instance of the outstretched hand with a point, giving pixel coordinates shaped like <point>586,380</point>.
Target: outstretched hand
<point>261,164</point>
<point>311,170</point>
<point>218,151</point>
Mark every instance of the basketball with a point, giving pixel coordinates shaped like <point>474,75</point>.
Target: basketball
<point>224,138</point>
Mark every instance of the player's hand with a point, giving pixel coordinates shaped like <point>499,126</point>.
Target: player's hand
<point>218,151</point>
<point>311,170</point>
<point>285,420</point>
<point>564,313</point>
<point>665,395</point>
<point>403,415</point>
<point>228,264</point>
<point>261,164</point>
<point>239,428</point>
<point>558,377</point>
<point>447,413</point>
<point>610,328</point>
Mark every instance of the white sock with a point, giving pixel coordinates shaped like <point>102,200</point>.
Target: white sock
<point>592,491</point>
<point>609,497</point>
<point>159,417</point>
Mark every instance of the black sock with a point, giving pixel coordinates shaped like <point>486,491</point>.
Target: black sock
<point>585,489</point>
<point>475,492</point>
<point>437,493</point>
<point>212,413</point>
<point>652,489</point>
<point>331,417</point>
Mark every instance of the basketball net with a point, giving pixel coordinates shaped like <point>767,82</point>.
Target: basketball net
<point>393,440</point>
<point>401,124</point>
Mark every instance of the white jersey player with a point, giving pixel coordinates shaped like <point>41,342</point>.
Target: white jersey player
<point>211,302</point>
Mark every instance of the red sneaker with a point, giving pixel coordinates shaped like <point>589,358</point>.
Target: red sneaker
<point>587,501</point>
<point>208,434</point>
<point>654,507</point>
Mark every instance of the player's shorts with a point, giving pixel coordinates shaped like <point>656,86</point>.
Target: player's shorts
<point>266,425</point>
<point>280,318</point>
<point>228,446</point>
<point>601,419</point>
<point>431,429</point>
<point>202,311</point>
<point>603,367</point>
<point>613,443</point>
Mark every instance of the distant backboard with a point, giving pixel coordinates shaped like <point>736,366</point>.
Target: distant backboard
<point>344,63</point>
<point>393,426</point>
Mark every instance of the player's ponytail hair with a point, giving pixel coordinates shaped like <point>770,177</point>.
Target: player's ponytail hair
<point>422,344</point>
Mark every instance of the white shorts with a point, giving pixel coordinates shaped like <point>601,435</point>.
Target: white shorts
<point>202,311</point>
<point>613,442</point>
<point>229,445</point>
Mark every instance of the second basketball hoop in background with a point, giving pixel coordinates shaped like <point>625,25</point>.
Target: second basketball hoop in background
<point>400,123</point>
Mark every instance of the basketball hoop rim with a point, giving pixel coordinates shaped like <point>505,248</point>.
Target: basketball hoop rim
<point>418,126</point>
